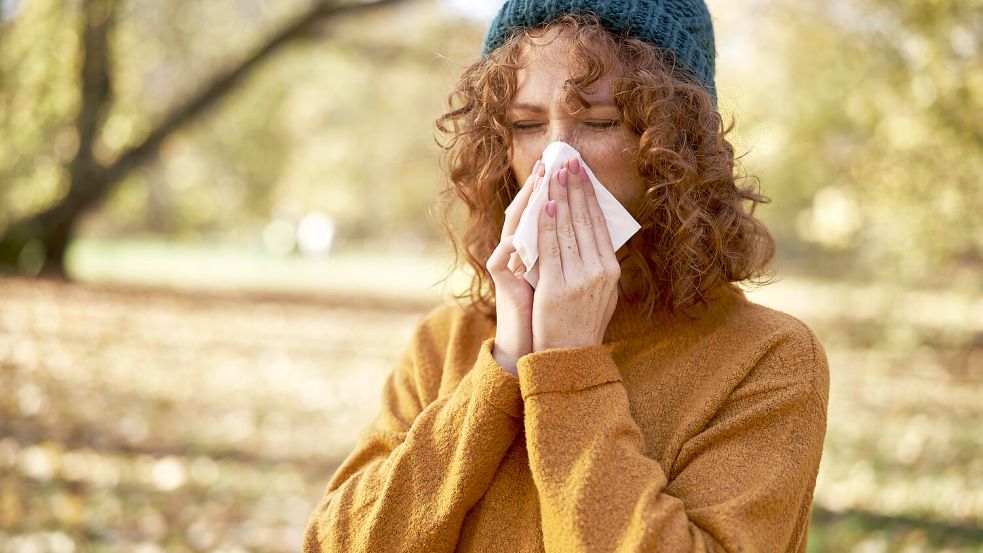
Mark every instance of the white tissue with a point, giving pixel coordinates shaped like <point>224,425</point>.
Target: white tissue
<point>621,225</point>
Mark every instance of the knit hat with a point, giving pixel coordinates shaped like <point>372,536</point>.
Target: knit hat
<point>681,26</point>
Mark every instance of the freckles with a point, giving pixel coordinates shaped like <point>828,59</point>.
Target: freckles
<point>525,154</point>
<point>524,146</point>
<point>615,173</point>
<point>604,157</point>
<point>523,162</point>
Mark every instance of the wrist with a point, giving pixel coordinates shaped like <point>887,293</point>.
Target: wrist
<point>509,362</point>
<point>564,344</point>
<point>513,340</point>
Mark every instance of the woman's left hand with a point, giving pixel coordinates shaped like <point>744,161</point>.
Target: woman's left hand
<point>577,291</point>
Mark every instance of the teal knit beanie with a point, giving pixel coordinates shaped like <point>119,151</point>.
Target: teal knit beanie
<point>681,26</point>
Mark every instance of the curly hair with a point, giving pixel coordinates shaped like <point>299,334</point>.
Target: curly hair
<point>695,232</point>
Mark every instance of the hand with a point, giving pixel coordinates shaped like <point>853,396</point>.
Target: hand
<point>513,294</point>
<point>577,291</point>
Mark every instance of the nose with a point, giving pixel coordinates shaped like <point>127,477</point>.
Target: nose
<point>563,132</point>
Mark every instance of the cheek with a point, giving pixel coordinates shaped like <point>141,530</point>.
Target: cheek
<point>525,146</point>
<point>524,157</point>
<point>618,175</point>
<point>621,183</point>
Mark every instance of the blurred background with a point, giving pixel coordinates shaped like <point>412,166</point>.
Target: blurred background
<point>217,235</point>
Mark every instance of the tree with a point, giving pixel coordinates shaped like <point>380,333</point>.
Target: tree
<point>90,180</point>
<point>882,144</point>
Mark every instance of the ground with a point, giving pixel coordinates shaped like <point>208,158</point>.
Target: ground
<point>143,419</point>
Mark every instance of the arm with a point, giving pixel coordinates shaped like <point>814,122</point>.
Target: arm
<point>417,469</point>
<point>745,483</point>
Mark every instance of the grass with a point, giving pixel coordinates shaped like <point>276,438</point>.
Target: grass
<point>388,273</point>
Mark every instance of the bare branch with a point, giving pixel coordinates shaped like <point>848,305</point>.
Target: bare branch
<point>91,182</point>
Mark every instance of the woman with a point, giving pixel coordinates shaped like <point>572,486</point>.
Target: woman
<point>634,400</point>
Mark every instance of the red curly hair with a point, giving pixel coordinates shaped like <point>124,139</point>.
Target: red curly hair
<point>695,232</point>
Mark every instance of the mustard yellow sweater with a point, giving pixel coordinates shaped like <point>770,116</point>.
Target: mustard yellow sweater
<point>673,435</point>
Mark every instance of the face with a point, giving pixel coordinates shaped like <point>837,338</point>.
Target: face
<point>540,116</point>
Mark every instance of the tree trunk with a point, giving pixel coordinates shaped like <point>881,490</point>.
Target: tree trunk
<point>91,182</point>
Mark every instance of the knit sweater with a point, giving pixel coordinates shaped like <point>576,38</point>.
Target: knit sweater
<point>673,435</point>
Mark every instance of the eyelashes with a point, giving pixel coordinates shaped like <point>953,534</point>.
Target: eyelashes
<point>600,125</point>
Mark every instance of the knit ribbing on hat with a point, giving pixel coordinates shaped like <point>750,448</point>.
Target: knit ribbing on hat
<point>681,26</point>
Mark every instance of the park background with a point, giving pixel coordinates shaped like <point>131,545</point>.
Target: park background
<point>217,233</point>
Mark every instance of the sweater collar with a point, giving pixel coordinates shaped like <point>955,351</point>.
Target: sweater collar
<point>631,320</point>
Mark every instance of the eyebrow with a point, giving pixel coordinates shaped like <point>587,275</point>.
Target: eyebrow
<point>535,108</point>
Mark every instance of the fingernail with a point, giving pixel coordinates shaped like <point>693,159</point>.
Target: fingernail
<point>536,167</point>
<point>575,167</point>
<point>551,208</point>
<point>563,176</point>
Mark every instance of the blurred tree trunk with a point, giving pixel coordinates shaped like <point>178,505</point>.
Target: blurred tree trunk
<point>91,181</point>
<point>96,93</point>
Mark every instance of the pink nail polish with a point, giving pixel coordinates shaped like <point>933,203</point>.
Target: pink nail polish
<point>563,176</point>
<point>574,166</point>
<point>551,208</point>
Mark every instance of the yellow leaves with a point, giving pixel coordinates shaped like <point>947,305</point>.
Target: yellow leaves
<point>833,220</point>
<point>903,131</point>
<point>145,422</point>
<point>40,462</point>
<point>11,508</point>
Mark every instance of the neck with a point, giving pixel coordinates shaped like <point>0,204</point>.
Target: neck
<point>631,318</point>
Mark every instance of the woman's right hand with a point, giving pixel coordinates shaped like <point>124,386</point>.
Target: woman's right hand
<point>513,294</point>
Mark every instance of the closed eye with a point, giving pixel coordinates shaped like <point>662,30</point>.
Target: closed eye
<point>604,124</point>
<point>607,124</point>
<point>524,126</point>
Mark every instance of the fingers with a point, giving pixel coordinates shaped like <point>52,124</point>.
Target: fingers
<point>504,258</point>
<point>514,211</point>
<point>602,235</point>
<point>504,263</point>
<point>580,216</point>
<point>565,235</point>
<point>515,264</point>
<point>550,270</point>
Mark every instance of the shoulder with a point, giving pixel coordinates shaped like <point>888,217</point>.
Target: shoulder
<point>447,322</point>
<point>736,319</point>
<point>445,343</point>
<point>783,345</point>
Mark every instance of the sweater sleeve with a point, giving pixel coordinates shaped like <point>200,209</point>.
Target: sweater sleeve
<point>417,469</point>
<point>745,483</point>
